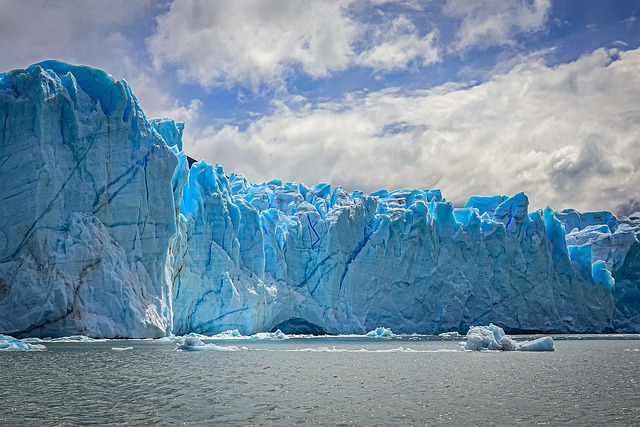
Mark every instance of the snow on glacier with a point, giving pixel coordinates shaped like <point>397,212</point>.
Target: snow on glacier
<point>109,230</point>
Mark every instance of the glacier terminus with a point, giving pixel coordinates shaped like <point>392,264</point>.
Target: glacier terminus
<point>108,230</point>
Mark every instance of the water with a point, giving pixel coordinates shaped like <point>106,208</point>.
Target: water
<point>321,381</point>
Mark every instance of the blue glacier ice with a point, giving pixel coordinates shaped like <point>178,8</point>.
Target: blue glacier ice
<point>8,343</point>
<point>381,332</point>
<point>108,230</point>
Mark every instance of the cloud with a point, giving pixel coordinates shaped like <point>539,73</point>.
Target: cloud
<point>566,135</point>
<point>221,43</point>
<point>630,21</point>
<point>397,44</point>
<point>260,44</point>
<point>157,101</point>
<point>496,22</point>
<point>90,33</point>
<point>629,208</point>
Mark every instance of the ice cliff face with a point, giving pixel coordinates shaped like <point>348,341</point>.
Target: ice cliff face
<point>87,213</point>
<point>106,231</point>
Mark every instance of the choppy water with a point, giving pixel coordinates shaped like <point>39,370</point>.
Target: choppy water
<point>321,381</point>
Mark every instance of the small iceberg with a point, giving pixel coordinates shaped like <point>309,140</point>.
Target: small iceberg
<point>381,333</point>
<point>231,333</point>
<point>121,348</point>
<point>541,344</point>
<point>492,337</point>
<point>76,338</point>
<point>277,335</point>
<point>193,343</point>
<point>8,343</point>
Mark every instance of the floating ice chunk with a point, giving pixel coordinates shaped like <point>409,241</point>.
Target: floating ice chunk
<point>450,335</point>
<point>381,333</point>
<point>492,337</point>
<point>541,344</point>
<point>193,343</point>
<point>508,344</point>
<point>75,338</point>
<point>121,348</point>
<point>230,333</point>
<point>8,343</point>
<point>486,338</point>
<point>196,335</point>
<point>278,335</point>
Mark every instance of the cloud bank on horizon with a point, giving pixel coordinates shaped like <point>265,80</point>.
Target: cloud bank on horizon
<point>471,97</point>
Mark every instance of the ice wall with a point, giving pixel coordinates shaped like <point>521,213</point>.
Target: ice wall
<point>87,212</point>
<point>106,231</point>
<point>214,291</point>
<point>408,260</point>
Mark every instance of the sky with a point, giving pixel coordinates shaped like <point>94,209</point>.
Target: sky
<point>471,97</point>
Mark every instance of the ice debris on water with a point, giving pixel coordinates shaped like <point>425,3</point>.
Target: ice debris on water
<point>193,343</point>
<point>450,335</point>
<point>540,344</point>
<point>75,338</point>
<point>8,343</point>
<point>231,333</point>
<point>492,337</point>
<point>381,332</point>
<point>278,335</point>
<point>121,348</point>
<point>72,338</point>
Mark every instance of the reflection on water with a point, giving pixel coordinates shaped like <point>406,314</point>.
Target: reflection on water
<point>321,381</point>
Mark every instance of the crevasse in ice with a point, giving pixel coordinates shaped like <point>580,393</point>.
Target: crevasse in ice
<point>106,231</point>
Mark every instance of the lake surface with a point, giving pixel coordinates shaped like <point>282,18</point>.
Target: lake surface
<point>322,381</point>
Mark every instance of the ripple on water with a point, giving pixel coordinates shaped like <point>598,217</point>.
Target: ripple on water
<point>324,382</point>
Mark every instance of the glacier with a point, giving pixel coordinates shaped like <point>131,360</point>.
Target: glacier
<point>108,229</point>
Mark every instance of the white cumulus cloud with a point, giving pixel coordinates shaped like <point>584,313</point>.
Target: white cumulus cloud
<point>495,22</point>
<point>260,43</point>
<point>90,33</point>
<point>221,43</point>
<point>397,44</point>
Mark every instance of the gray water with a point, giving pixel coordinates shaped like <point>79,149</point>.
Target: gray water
<point>322,381</point>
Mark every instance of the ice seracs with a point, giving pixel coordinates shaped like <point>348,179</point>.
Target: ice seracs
<point>107,229</point>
